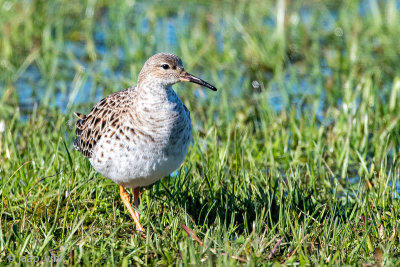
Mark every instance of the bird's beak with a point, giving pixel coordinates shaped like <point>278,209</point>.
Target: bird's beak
<point>187,77</point>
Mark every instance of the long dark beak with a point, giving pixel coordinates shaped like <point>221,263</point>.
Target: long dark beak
<point>187,77</point>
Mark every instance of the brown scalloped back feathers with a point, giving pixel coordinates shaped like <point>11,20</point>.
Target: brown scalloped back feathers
<point>105,116</point>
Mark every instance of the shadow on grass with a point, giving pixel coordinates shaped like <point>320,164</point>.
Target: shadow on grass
<point>251,205</point>
<point>235,209</point>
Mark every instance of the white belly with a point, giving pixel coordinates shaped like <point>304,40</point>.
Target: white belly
<point>132,165</point>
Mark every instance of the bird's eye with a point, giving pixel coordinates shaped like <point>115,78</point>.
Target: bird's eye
<point>165,66</point>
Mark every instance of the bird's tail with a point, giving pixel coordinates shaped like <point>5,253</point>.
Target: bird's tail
<point>78,131</point>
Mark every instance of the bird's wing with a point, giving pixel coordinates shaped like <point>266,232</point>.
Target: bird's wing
<point>90,128</point>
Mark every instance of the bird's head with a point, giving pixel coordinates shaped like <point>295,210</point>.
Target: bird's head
<point>166,69</point>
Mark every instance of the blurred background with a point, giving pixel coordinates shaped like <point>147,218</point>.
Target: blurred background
<point>307,54</point>
<point>326,61</point>
<point>307,114</point>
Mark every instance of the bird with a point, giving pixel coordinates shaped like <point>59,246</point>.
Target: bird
<point>141,134</point>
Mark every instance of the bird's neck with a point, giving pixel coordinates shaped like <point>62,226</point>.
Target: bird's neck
<point>156,96</point>
<point>160,109</point>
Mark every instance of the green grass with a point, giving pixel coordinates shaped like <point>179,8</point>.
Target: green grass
<point>272,186</point>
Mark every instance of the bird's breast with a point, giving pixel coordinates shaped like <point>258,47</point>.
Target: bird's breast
<point>155,147</point>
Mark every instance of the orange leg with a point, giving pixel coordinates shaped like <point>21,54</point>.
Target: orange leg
<point>125,200</point>
<point>136,193</point>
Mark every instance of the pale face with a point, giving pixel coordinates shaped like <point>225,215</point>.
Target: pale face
<point>166,70</point>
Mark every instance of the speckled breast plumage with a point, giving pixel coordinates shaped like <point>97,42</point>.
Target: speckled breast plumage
<point>134,138</point>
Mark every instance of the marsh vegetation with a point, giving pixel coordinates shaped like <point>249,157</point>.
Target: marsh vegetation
<point>295,160</point>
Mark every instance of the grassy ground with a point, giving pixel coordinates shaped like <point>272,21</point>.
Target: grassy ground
<point>295,159</point>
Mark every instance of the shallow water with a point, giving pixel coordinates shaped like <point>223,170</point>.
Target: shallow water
<point>32,86</point>
<point>77,85</point>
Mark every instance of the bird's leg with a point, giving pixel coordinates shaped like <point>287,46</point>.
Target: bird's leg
<point>136,194</point>
<point>125,200</point>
